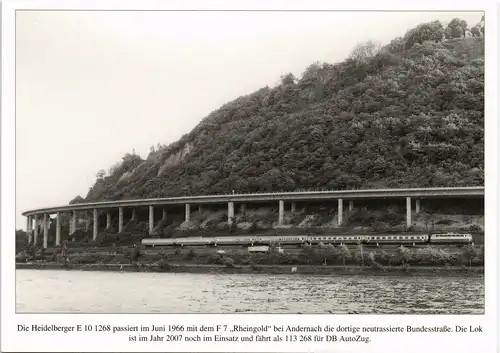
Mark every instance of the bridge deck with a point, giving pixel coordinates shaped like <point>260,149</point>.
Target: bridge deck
<point>450,192</point>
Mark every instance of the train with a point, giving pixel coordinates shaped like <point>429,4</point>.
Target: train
<point>369,239</point>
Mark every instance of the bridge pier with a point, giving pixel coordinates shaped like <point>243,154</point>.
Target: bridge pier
<point>292,207</point>
<point>58,229</point>
<point>108,220</point>
<point>164,214</point>
<point>230,213</point>
<point>417,206</point>
<point>45,230</point>
<point>134,214</point>
<point>151,219</point>
<point>351,205</point>
<point>87,222</point>
<point>95,224</point>
<point>73,223</point>
<point>35,235</point>
<point>408,211</point>
<point>188,212</point>
<point>28,229</point>
<point>281,212</point>
<point>340,212</point>
<point>243,208</point>
<point>120,219</point>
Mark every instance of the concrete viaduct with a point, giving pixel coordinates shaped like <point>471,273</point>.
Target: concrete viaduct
<point>40,217</point>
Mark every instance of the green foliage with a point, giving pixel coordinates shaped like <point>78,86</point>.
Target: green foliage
<point>433,31</point>
<point>377,219</point>
<point>344,253</point>
<point>228,262</point>
<point>77,199</point>
<point>21,240</point>
<point>364,51</point>
<point>361,256</point>
<point>404,254</point>
<point>433,256</point>
<point>410,116</point>
<point>469,253</point>
<point>456,29</point>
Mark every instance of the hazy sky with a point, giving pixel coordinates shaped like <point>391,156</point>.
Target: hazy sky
<point>92,86</point>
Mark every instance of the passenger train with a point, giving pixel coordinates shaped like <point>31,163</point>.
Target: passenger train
<point>373,239</point>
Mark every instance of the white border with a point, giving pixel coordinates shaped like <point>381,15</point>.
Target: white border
<point>11,340</point>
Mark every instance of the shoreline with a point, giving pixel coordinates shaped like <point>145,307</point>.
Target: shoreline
<point>262,269</point>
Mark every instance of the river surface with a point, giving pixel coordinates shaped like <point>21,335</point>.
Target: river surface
<point>54,291</point>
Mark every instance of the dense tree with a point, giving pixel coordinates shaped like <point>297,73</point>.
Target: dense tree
<point>363,51</point>
<point>401,118</point>
<point>456,29</point>
<point>101,174</point>
<point>77,199</point>
<point>432,31</point>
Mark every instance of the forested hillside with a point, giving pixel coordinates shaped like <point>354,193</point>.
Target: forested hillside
<point>408,114</point>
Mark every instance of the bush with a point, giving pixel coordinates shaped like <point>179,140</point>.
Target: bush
<point>228,262</point>
<point>190,254</point>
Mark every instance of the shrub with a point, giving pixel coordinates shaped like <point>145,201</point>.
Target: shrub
<point>228,262</point>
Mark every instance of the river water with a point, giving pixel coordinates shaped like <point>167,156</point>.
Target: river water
<point>53,291</point>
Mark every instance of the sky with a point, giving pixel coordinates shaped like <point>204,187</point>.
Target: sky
<point>93,86</point>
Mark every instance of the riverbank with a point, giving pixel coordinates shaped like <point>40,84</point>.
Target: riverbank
<point>267,269</point>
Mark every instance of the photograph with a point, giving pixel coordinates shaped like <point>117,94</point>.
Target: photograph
<point>250,162</point>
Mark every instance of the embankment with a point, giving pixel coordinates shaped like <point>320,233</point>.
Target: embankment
<point>266,269</point>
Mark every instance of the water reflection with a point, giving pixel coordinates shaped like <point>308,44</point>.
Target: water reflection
<point>112,292</point>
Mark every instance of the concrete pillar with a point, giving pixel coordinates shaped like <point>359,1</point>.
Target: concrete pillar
<point>45,230</point>
<point>29,225</point>
<point>58,229</point>
<point>281,212</point>
<point>108,220</point>
<point>95,224</point>
<point>230,212</point>
<point>351,205</point>
<point>35,236</point>
<point>292,209</point>
<point>408,211</point>
<point>200,209</point>
<point>73,223</point>
<point>164,215</point>
<point>87,222</point>
<point>340,212</point>
<point>120,219</point>
<point>151,219</point>
<point>243,208</point>
<point>134,214</point>
<point>417,206</point>
<point>188,212</point>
